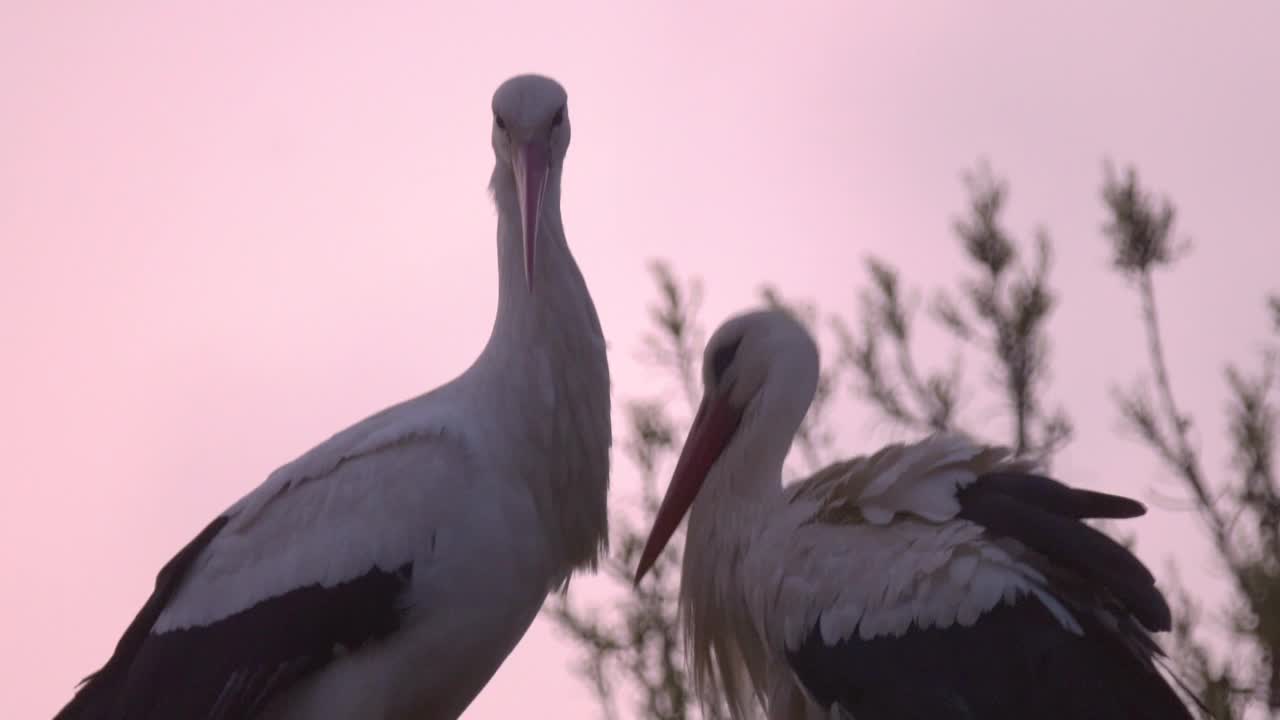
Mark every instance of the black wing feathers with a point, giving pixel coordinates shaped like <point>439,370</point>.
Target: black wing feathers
<point>1049,494</point>
<point>233,668</point>
<point>98,692</point>
<point>244,659</point>
<point>1045,516</point>
<point>1015,663</point>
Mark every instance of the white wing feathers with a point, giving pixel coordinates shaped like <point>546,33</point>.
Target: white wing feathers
<point>369,496</point>
<point>887,550</point>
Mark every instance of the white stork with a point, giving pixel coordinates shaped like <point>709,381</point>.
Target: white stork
<point>939,580</point>
<point>386,574</point>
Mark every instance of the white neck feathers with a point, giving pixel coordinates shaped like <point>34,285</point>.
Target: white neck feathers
<point>546,357</point>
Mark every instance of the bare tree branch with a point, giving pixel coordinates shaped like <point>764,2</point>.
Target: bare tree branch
<point>1005,315</point>
<point>1141,232</point>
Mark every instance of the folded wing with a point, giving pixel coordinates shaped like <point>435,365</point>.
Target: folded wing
<point>312,564</point>
<point>976,595</point>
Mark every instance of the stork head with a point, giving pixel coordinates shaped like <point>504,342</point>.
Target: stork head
<point>759,376</point>
<point>530,136</point>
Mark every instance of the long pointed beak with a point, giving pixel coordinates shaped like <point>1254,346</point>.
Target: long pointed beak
<point>712,428</point>
<point>530,164</point>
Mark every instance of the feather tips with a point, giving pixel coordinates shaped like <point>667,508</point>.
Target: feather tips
<point>919,479</point>
<point>882,549</point>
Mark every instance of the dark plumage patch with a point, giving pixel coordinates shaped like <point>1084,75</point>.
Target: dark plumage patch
<point>97,692</point>
<point>1046,515</point>
<point>1050,494</point>
<point>1015,663</point>
<point>232,668</point>
<point>723,357</point>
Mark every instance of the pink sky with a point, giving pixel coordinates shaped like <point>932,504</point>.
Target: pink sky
<point>228,230</point>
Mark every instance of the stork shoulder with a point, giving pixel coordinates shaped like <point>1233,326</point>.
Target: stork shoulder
<point>920,479</point>
<point>370,497</point>
<point>420,418</point>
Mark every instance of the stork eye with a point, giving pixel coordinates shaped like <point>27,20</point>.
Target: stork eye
<point>558,118</point>
<point>723,357</point>
<point>497,120</point>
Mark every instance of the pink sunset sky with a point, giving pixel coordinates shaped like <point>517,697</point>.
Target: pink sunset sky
<point>228,230</point>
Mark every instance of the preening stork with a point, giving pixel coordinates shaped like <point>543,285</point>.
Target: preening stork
<point>937,580</point>
<point>388,572</point>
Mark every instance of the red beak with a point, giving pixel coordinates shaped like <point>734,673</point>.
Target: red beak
<point>530,164</point>
<point>712,428</point>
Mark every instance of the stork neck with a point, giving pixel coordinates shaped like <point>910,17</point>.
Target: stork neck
<point>724,522</point>
<point>725,543</point>
<point>545,371</point>
<point>731,507</point>
<point>745,484</point>
<point>559,302</point>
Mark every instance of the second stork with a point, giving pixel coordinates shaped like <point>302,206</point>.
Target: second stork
<point>942,580</point>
